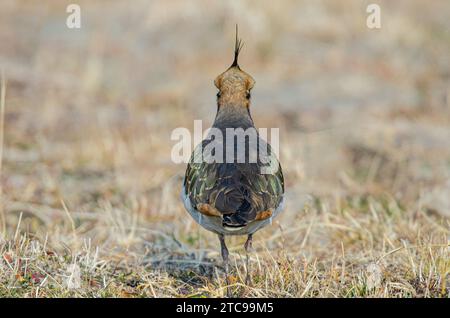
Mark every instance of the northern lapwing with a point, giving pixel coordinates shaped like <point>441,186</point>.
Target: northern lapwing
<point>233,197</point>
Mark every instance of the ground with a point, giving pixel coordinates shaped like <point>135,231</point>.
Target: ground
<point>90,201</point>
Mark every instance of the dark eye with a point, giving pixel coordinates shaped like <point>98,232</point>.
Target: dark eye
<point>218,94</point>
<point>248,95</point>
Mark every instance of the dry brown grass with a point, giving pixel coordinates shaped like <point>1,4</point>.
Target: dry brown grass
<point>90,198</point>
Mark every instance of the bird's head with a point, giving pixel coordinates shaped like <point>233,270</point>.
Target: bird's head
<point>234,84</point>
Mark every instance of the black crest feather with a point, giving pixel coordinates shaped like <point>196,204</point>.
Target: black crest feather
<point>237,49</point>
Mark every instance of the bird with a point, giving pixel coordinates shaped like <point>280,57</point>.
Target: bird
<point>233,197</point>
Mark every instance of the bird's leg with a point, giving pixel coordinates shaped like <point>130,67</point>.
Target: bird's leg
<point>248,248</point>
<point>224,250</point>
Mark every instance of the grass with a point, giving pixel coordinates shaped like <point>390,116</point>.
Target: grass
<point>90,198</point>
<point>335,252</point>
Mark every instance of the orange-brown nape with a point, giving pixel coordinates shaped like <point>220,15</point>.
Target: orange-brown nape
<point>234,84</point>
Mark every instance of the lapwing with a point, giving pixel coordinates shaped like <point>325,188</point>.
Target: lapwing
<point>233,197</point>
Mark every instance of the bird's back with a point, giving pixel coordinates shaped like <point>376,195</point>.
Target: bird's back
<point>238,190</point>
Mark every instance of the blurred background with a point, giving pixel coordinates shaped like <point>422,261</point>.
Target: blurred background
<point>364,118</point>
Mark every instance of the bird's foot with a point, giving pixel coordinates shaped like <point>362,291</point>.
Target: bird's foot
<point>224,251</point>
<point>248,248</point>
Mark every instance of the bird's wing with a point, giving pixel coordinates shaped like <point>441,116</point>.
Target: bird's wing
<point>263,189</point>
<point>237,190</point>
